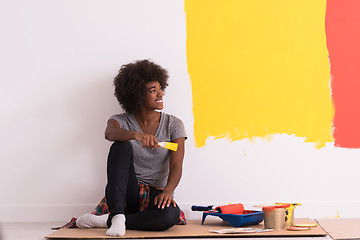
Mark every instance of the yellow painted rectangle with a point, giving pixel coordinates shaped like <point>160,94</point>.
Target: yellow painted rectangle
<point>259,67</point>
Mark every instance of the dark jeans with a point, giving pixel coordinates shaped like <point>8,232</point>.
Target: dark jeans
<point>122,194</point>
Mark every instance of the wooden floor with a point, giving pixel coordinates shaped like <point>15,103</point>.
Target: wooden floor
<point>37,231</point>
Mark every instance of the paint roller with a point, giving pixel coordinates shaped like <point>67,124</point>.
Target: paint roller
<point>236,208</point>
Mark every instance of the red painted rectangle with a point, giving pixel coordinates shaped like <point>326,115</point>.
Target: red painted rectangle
<point>343,43</point>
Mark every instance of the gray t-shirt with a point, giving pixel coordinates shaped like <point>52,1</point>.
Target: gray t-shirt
<point>152,166</point>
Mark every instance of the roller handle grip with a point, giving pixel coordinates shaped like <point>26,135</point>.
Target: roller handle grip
<point>201,208</point>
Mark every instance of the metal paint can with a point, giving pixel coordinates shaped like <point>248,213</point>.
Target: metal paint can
<point>275,217</point>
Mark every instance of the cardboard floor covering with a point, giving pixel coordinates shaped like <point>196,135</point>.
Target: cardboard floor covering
<point>193,229</point>
<point>341,228</point>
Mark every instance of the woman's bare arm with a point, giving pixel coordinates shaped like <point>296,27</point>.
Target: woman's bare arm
<point>113,132</point>
<point>176,162</point>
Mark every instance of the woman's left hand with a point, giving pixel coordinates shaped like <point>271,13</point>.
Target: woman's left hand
<point>164,199</point>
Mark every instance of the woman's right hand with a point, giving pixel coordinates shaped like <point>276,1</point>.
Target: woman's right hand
<point>147,140</point>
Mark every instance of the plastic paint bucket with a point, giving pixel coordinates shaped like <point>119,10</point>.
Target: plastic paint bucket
<point>290,212</point>
<point>275,217</point>
<point>290,215</point>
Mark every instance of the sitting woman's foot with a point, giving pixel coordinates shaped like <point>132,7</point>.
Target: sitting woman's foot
<point>117,228</point>
<point>92,221</point>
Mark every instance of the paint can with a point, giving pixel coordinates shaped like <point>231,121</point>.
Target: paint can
<point>290,215</point>
<point>290,212</point>
<point>275,217</point>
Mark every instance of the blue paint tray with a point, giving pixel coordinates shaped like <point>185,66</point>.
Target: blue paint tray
<point>248,218</point>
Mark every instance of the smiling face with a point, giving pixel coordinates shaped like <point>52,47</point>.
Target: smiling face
<point>154,96</point>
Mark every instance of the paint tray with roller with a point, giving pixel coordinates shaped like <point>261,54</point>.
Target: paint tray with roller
<point>234,214</point>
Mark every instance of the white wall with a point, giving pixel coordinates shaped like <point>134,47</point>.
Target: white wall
<point>58,60</point>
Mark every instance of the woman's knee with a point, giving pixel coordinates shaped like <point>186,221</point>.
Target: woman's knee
<point>120,160</point>
<point>120,149</point>
<point>120,145</point>
<point>170,217</point>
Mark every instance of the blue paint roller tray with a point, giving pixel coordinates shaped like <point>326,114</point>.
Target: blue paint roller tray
<point>248,218</point>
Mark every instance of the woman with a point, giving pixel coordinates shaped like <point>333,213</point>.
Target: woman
<point>136,161</point>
